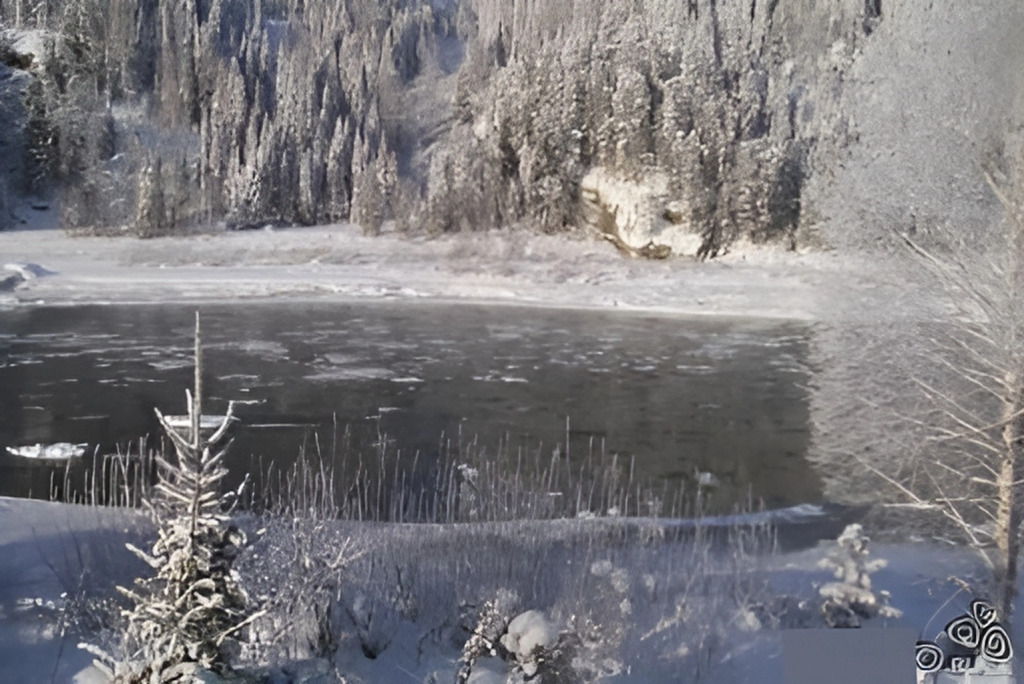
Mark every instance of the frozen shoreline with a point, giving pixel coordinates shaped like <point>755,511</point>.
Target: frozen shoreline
<point>338,263</point>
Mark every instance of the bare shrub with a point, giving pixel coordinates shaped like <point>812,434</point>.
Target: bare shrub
<point>295,568</point>
<point>6,215</point>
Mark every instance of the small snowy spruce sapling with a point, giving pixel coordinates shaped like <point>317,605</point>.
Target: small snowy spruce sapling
<point>187,614</point>
<point>851,598</point>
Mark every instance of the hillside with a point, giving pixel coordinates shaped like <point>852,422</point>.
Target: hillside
<point>694,126</point>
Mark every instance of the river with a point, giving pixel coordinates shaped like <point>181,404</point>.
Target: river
<point>679,400</point>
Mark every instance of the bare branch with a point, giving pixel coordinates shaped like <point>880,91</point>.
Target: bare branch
<point>998,192</point>
<point>947,435</point>
<point>973,379</point>
<point>950,469</point>
<point>953,513</point>
<point>952,277</point>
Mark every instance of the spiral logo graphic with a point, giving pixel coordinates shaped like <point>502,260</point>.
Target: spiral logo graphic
<point>984,613</point>
<point>995,645</point>
<point>964,632</point>
<point>928,657</point>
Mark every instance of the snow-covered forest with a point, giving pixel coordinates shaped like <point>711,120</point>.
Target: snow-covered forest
<point>441,115</point>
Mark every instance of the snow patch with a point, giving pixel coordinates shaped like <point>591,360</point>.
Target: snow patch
<point>28,271</point>
<point>488,671</point>
<point>529,632</point>
<point>639,212</point>
<point>206,422</point>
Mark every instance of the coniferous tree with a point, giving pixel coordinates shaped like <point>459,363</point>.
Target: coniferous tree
<point>194,607</point>
<point>493,112</point>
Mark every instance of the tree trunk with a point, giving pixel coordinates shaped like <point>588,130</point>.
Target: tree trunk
<point>197,399</point>
<point>1008,512</point>
<point>196,451</point>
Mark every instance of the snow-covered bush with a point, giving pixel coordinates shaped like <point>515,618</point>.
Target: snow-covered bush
<point>294,566</point>
<point>531,639</point>
<point>851,598</point>
<point>530,645</point>
<point>486,637</point>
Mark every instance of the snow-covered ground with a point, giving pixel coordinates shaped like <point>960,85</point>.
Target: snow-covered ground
<point>338,262</point>
<point>49,553</point>
<point>649,621</point>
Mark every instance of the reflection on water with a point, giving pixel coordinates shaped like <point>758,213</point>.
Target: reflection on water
<point>678,396</point>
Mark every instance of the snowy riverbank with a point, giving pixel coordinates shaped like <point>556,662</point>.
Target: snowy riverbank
<point>339,263</point>
<point>44,547</point>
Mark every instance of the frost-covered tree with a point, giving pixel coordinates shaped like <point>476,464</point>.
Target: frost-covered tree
<point>188,613</point>
<point>483,113</point>
<point>969,377</point>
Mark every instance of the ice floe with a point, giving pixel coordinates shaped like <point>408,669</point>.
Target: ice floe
<point>61,451</point>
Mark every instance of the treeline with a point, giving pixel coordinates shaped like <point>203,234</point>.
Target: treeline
<point>442,114</point>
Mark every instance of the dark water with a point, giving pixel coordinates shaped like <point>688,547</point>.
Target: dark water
<point>677,396</point>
